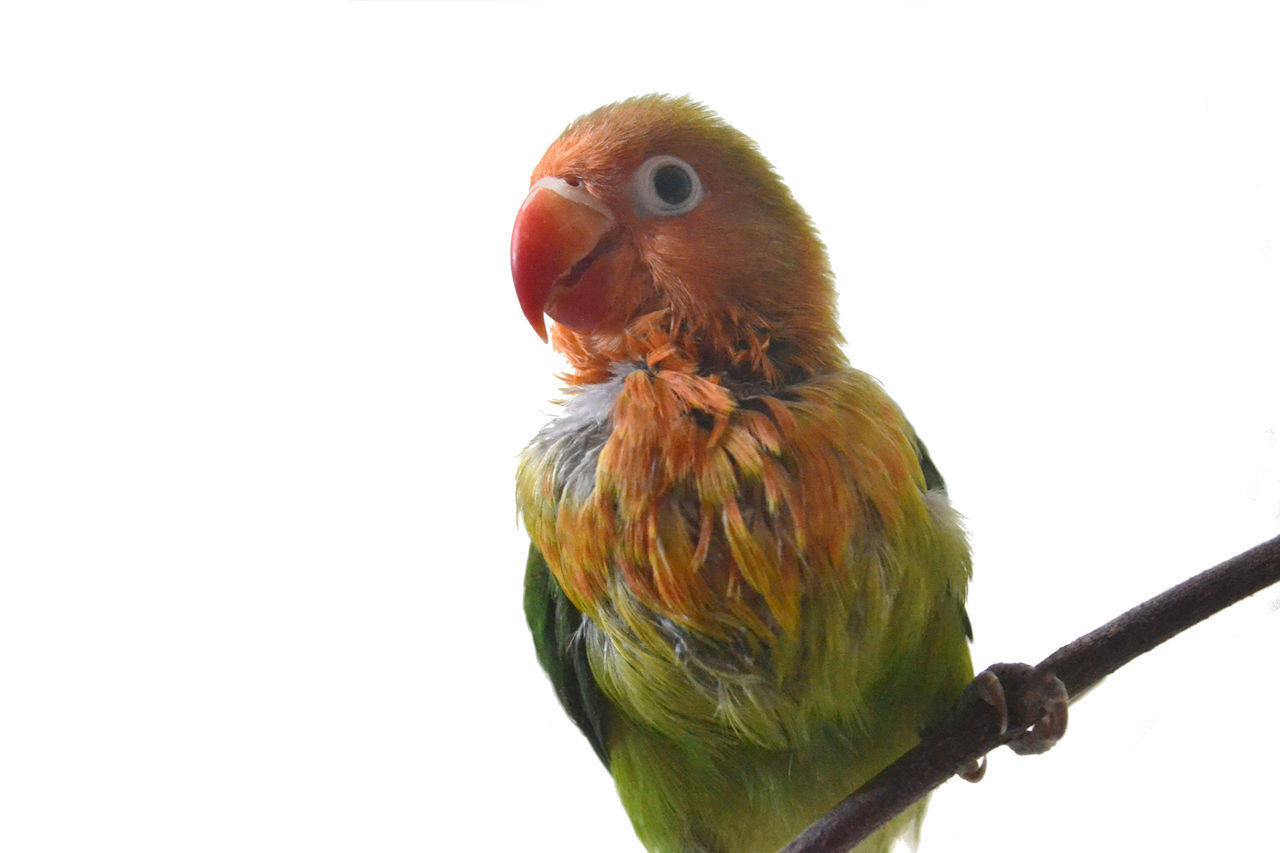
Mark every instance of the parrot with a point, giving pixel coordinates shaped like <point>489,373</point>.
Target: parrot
<point>745,581</point>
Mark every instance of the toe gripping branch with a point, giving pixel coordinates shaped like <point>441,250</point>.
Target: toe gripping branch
<point>1030,707</point>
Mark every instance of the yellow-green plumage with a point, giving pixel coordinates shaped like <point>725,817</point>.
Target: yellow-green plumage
<point>746,580</point>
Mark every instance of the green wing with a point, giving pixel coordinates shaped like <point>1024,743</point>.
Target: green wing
<point>932,477</point>
<point>555,624</point>
<point>933,480</point>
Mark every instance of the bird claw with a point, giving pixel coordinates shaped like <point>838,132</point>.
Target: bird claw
<point>988,685</point>
<point>974,770</point>
<point>1049,695</point>
<point>1035,694</point>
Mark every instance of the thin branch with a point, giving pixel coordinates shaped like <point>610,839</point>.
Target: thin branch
<point>973,728</point>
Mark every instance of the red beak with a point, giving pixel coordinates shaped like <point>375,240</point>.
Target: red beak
<point>558,226</point>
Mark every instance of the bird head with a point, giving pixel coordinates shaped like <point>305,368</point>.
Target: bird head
<point>653,215</point>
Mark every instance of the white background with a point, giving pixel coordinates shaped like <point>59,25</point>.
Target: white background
<point>263,382</point>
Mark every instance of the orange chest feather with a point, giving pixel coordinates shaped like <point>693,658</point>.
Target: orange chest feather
<point>716,509</point>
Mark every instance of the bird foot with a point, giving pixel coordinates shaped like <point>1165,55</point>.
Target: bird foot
<point>1037,697</point>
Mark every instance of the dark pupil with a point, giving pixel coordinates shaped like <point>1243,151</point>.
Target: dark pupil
<point>672,184</point>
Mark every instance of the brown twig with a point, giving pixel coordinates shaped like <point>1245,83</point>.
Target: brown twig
<point>972,730</point>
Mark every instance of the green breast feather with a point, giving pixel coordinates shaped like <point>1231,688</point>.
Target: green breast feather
<point>704,789</point>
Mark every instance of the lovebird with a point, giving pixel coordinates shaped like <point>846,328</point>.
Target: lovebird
<point>745,581</point>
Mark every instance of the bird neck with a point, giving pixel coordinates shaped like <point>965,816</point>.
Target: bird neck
<point>739,349</point>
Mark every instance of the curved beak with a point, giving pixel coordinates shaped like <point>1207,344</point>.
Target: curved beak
<point>558,226</point>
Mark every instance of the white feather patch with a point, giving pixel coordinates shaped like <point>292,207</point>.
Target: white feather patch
<point>571,443</point>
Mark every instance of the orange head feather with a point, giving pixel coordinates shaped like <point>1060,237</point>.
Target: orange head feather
<point>652,223</point>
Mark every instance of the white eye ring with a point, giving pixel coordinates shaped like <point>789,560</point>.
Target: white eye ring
<point>666,186</point>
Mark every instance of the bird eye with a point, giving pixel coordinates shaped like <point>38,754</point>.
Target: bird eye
<point>666,186</point>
